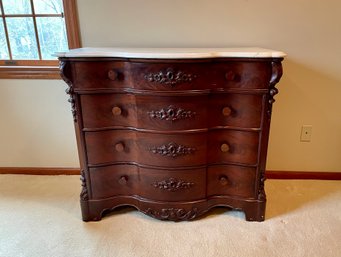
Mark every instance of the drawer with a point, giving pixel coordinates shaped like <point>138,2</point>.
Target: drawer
<point>145,112</point>
<point>229,146</point>
<point>145,148</point>
<point>169,76</point>
<point>171,113</point>
<point>231,180</point>
<point>114,180</point>
<point>101,74</point>
<point>235,110</point>
<point>155,184</point>
<point>174,150</point>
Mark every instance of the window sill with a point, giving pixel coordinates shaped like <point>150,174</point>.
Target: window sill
<point>30,72</point>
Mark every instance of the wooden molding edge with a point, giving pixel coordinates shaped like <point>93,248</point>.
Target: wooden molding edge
<point>269,174</point>
<point>30,72</point>
<point>39,171</point>
<point>72,23</point>
<point>319,175</point>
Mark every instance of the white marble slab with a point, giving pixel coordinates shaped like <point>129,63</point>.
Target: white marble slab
<point>172,53</point>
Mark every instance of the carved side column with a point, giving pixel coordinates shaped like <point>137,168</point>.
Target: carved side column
<point>276,75</point>
<point>65,76</point>
<point>85,195</point>
<point>277,72</point>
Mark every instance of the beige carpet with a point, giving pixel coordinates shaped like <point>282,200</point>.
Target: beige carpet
<point>40,216</point>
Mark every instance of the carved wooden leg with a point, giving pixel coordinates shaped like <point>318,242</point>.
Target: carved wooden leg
<point>85,210</point>
<point>255,211</point>
<point>90,211</point>
<point>89,214</point>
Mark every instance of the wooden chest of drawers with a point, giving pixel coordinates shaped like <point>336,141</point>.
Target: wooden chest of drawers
<point>172,132</point>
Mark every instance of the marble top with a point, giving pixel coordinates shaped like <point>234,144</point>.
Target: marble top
<point>172,53</point>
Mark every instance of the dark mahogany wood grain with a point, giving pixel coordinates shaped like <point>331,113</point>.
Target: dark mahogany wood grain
<point>98,74</point>
<point>107,181</point>
<point>172,113</point>
<point>244,111</point>
<point>231,180</point>
<point>241,147</point>
<point>161,150</point>
<point>157,184</point>
<point>147,112</point>
<point>173,138</point>
<point>145,148</point>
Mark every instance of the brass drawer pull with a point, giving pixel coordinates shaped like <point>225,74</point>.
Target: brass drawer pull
<point>119,147</point>
<point>112,75</point>
<point>123,180</point>
<point>226,111</point>
<point>225,148</point>
<point>223,180</point>
<point>116,111</point>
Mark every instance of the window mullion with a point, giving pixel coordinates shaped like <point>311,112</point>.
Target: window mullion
<point>6,31</point>
<point>36,29</point>
<point>30,15</point>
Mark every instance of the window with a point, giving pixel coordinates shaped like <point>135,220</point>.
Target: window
<point>31,31</point>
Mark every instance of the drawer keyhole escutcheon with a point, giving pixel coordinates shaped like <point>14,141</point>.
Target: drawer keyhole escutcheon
<point>224,148</point>
<point>223,180</point>
<point>226,111</point>
<point>116,111</point>
<point>119,147</point>
<point>112,75</point>
<point>123,180</point>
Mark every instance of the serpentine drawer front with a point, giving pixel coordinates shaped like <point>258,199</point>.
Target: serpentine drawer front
<point>173,76</point>
<point>172,132</point>
<point>171,112</point>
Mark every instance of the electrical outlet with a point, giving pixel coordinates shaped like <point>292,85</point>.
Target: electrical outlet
<point>306,132</point>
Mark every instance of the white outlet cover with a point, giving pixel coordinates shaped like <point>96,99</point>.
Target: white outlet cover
<point>306,133</point>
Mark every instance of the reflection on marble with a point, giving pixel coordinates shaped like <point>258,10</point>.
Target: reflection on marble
<point>172,53</point>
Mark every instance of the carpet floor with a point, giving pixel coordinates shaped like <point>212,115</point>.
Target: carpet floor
<point>40,216</point>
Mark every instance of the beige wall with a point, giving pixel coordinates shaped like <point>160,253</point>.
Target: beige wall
<point>36,125</point>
